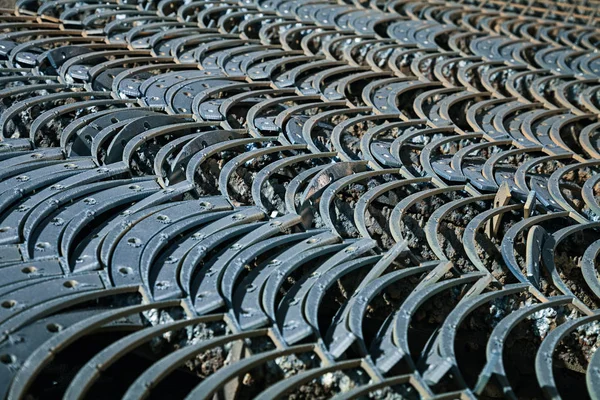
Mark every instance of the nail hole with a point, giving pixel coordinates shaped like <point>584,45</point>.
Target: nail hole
<point>70,284</point>
<point>8,303</point>
<point>52,327</point>
<point>125,270</point>
<point>7,359</point>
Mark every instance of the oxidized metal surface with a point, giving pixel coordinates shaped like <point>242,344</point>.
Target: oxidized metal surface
<point>299,199</point>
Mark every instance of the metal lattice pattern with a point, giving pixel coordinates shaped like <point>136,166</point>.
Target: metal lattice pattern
<point>299,199</point>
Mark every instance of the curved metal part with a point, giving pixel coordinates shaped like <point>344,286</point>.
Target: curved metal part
<point>281,388</point>
<point>91,372</point>
<point>124,261</point>
<point>550,246</point>
<point>232,165</point>
<point>449,329</point>
<point>209,279</point>
<point>195,248</point>
<point>61,340</point>
<point>435,219</point>
<point>111,195</point>
<point>495,346</point>
<point>161,369</point>
<point>290,315</point>
<point>588,267</point>
<point>86,204</point>
<point>327,199</point>
<point>210,385</point>
<point>509,238</point>
<point>402,207</point>
<point>544,358</point>
<point>247,298</point>
<point>357,306</point>
<point>401,319</point>
<point>363,203</point>
<point>554,185</point>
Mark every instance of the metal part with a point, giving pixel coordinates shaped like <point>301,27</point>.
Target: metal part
<point>261,199</point>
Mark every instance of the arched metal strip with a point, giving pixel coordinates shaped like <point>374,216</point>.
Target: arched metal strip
<point>542,193</point>
<point>591,376</point>
<point>234,269</point>
<point>427,105</point>
<point>111,236</point>
<point>211,384</point>
<point>290,315</point>
<point>207,239</point>
<point>475,225</point>
<point>436,218</point>
<point>200,141</point>
<point>549,247</point>
<point>387,157</point>
<point>402,207</point>
<point>363,203</point>
<point>276,279</point>
<point>297,184</point>
<point>544,357</point>
<point>38,179</point>
<point>125,258</point>
<point>152,126</point>
<point>449,329</point>
<point>158,242</point>
<point>339,129</point>
<point>229,104</point>
<point>454,100</point>
<point>206,284</point>
<point>325,177</point>
<point>263,176</point>
<point>292,383</point>
<point>198,158</point>
<point>208,112</point>
<point>71,211</point>
<point>364,390</point>
<point>23,300</point>
<point>247,297</point>
<point>330,194</point>
<point>152,376</point>
<point>258,110</point>
<point>285,116</point>
<point>479,112</point>
<point>127,77</point>
<point>320,118</point>
<point>21,106</point>
<point>48,116</point>
<point>232,165</point>
<point>494,161</point>
<point>162,167</point>
<point>42,355</point>
<point>588,267</point>
<point>179,96</point>
<point>414,134</point>
<point>315,295</point>
<point>13,222</point>
<point>91,134</point>
<point>401,319</point>
<point>358,304</point>
<point>456,173</point>
<point>92,370</point>
<point>554,186</point>
<point>495,344</point>
<point>588,144</point>
<point>509,239</point>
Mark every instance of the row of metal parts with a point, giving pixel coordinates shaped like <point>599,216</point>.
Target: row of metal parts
<point>287,198</point>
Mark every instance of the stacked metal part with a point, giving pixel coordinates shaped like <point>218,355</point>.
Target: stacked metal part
<point>299,199</point>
